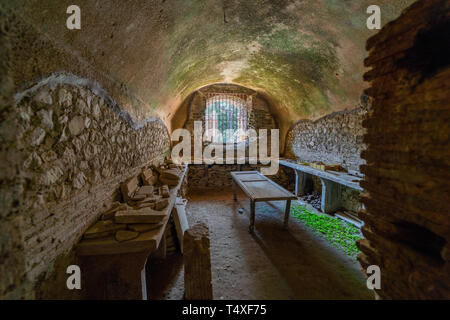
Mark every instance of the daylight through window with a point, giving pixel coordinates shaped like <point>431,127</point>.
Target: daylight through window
<point>226,117</point>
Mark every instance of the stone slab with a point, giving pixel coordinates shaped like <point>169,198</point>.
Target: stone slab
<point>164,191</point>
<point>125,235</point>
<point>109,214</point>
<point>161,204</point>
<point>338,177</point>
<point>103,228</point>
<point>148,177</point>
<point>129,188</point>
<point>171,174</point>
<point>167,181</point>
<point>145,190</point>
<point>146,242</point>
<point>138,197</point>
<point>144,205</point>
<point>180,220</point>
<point>144,215</point>
<point>144,227</point>
<point>197,264</point>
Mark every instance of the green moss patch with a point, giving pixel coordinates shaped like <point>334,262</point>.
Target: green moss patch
<point>338,233</point>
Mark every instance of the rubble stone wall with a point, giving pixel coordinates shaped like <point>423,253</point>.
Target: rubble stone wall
<point>218,175</point>
<point>407,173</point>
<point>11,265</point>
<point>68,147</point>
<point>259,116</point>
<point>335,138</point>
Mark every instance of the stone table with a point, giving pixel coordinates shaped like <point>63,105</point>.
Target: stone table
<point>331,183</point>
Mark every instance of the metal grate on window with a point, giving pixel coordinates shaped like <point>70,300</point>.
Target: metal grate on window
<point>226,117</point>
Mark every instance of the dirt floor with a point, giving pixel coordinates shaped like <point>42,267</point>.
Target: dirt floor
<point>270,264</point>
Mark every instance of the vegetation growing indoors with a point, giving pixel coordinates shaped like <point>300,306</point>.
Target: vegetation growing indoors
<point>339,234</point>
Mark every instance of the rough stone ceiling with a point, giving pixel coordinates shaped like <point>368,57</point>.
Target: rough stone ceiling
<point>305,56</point>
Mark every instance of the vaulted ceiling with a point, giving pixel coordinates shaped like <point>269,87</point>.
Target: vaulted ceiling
<point>305,56</point>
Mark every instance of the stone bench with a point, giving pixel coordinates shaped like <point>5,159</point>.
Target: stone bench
<point>332,182</point>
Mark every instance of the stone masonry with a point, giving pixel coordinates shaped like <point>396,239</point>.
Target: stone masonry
<point>68,148</point>
<point>197,263</point>
<point>259,116</point>
<point>335,138</point>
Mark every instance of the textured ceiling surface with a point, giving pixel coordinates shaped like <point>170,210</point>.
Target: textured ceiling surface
<point>304,56</point>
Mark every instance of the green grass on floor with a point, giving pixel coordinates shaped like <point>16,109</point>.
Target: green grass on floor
<point>339,234</point>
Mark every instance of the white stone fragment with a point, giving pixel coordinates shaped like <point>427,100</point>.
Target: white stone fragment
<point>76,125</point>
<point>81,106</point>
<point>37,136</point>
<point>46,118</point>
<point>87,122</point>
<point>96,111</point>
<point>43,96</point>
<point>79,181</point>
<point>65,97</point>
<point>51,176</point>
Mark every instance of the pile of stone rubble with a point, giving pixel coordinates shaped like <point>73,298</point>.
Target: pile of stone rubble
<point>142,208</point>
<point>313,198</point>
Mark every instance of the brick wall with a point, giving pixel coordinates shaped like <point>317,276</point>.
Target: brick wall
<point>408,169</point>
<point>70,146</point>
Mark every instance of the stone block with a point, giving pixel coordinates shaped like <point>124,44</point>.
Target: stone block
<point>145,190</point>
<point>161,204</point>
<point>144,205</point>
<point>76,125</point>
<point>197,263</point>
<point>331,196</point>
<point>138,197</point>
<point>180,221</point>
<point>171,174</point>
<point>116,206</point>
<point>148,178</point>
<point>164,191</point>
<point>169,182</point>
<point>129,188</point>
